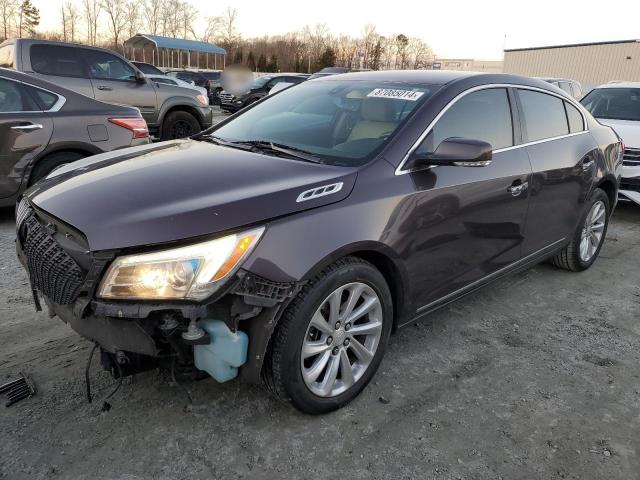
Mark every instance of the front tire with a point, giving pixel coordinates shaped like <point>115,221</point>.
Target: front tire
<point>589,237</point>
<point>331,338</point>
<point>179,125</point>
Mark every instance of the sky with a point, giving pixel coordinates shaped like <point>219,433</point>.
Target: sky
<point>455,29</point>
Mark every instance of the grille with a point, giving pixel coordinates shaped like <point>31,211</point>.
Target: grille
<point>22,210</point>
<point>632,184</point>
<point>631,157</point>
<point>53,272</point>
<point>226,97</point>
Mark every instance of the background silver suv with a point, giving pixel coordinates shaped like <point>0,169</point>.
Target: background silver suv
<point>170,111</point>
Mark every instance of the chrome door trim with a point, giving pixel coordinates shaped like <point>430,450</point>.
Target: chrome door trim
<point>523,260</point>
<point>400,171</point>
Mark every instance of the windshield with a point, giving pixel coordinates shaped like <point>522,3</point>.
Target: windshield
<point>148,69</point>
<point>210,75</point>
<point>260,82</point>
<point>340,122</point>
<point>614,103</point>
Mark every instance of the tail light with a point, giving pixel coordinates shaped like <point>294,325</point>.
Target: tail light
<point>137,126</point>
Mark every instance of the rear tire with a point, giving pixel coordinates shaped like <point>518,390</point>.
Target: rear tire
<point>589,236</point>
<point>179,125</point>
<point>49,163</point>
<point>342,369</point>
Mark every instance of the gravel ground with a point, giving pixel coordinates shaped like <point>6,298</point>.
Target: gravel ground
<point>533,377</point>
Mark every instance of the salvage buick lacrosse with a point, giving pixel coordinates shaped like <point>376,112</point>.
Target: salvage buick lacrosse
<point>286,243</point>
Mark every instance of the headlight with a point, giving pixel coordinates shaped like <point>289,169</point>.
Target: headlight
<point>193,272</point>
<point>202,100</point>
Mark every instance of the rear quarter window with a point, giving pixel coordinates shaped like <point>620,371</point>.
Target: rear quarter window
<point>544,115</point>
<point>576,122</point>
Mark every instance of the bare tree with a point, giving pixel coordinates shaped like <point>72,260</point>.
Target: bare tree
<point>72,17</point>
<point>153,15</point>
<point>116,18</point>
<point>228,28</point>
<point>134,22</point>
<point>419,53</point>
<point>63,11</point>
<point>213,30</point>
<point>8,13</point>
<point>369,37</point>
<point>92,15</point>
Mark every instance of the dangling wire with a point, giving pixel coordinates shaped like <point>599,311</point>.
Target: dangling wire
<point>87,378</point>
<point>106,406</point>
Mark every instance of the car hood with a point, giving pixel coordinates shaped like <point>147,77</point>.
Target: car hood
<point>177,190</point>
<point>627,130</point>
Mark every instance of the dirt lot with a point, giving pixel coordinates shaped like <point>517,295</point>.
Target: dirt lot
<point>536,376</point>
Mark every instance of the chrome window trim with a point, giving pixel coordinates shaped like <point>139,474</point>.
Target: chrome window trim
<point>55,107</point>
<point>399,170</point>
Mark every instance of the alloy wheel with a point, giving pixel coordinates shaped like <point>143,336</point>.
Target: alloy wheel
<point>592,231</point>
<point>341,339</point>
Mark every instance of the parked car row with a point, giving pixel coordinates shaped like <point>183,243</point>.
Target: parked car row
<point>260,88</point>
<point>288,241</point>
<point>45,126</point>
<point>618,105</point>
<point>171,111</point>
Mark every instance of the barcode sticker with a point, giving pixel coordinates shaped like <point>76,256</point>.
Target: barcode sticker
<point>394,93</point>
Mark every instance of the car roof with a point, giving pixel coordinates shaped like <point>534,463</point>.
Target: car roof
<point>432,77</point>
<point>35,81</point>
<point>619,85</point>
<point>556,79</point>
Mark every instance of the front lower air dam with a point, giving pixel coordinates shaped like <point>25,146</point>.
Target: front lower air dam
<point>226,352</point>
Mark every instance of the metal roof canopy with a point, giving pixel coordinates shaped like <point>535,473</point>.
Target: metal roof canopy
<point>142,40</point>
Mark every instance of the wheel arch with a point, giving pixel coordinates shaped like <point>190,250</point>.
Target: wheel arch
<point>610,188</point>
<point>79,148</point>
<point>181,107</point>
<point>382,258</point>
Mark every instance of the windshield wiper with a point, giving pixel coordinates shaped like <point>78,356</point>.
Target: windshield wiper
<point>281,148</point>
<point>219,141</point>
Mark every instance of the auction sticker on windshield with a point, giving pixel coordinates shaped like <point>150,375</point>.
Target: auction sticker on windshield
<point>394,93</point>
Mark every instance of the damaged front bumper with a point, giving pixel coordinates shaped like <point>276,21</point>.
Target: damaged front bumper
<point>630,184</point>
<point>66,274</point>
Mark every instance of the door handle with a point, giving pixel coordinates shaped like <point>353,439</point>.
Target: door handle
<point>517,189</point>
<point>104,87</point>
<point>27,128</point>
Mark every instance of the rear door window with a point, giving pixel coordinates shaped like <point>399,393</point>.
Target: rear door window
<point>483,115</point>
<point>544,115</point>
<point>57,60</point>
<point>576,122</point>
<point>106,66</point>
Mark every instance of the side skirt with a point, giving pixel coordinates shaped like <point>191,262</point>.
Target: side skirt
<point>522,264</point>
